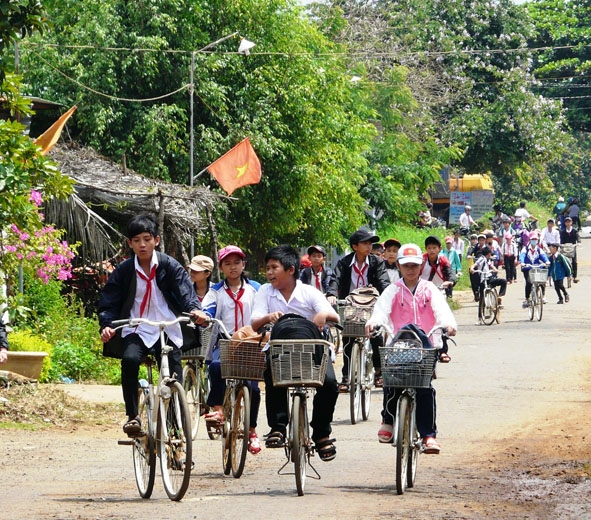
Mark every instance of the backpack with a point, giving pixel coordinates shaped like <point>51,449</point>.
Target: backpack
<point>294,326</point>
<point>364,297</point>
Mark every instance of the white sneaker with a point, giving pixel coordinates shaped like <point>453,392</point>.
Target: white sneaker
<point>544,300</point>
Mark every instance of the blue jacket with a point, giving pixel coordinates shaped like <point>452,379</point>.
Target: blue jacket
<point>559,267</point>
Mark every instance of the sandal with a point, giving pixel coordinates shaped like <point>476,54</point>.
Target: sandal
<point>254,446</point>
<point>378,379</point>
<point>444,357</point>
<point>133,427</point>
<point>344,386</point>
<point>326,450</point>
<point>275,440</point>
<point>215,417</point>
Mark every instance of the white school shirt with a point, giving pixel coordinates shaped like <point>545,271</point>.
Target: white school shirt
<point>218,304</point>
<point>550,237</point>
<point>156,309</point>
<point>305,300</point>
<point>356,280</point>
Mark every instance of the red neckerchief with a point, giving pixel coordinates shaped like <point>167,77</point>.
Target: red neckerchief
<point>148,294</point>
<point>360,274</point>
<point>317,276</point>
<point>238,305</point>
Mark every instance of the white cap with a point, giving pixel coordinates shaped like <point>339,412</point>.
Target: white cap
<point>410,254</point>
<point>467,207</point>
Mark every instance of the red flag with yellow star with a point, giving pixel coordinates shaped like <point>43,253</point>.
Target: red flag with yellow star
<point>236,168</point>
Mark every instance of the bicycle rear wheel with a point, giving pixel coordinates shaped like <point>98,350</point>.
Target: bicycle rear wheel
<point>355,389</point>
<point>175,443</point>
<point>539,302</point>
<point>144,454</point>
<point>367,376</point>
<point>192,386</point>
<point>490,306</point>
<point>240,427</point>
<point>299,441</point>
<point>403,440</point>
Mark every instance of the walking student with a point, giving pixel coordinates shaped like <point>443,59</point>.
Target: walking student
<point>559,270</point>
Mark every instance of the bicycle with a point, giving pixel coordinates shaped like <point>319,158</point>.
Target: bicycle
<point>299,365</point>
<point>535,304</point>
<point>406,366</point>
<point>196,381</point>
<point>165,411</point>
<point>361,369</point>
<point>488,304</point>
<point>241,361</point>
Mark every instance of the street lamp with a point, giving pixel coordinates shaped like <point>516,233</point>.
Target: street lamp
<point>244,48</point>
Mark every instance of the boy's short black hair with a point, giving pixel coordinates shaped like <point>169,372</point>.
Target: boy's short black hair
<point>287,256</point>
<point>431,239</point>
<point>142,224</point>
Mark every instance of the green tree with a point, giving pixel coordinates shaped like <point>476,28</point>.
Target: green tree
<point>293,99</point>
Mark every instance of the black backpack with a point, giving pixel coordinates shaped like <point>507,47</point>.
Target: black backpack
<point>294,326</point>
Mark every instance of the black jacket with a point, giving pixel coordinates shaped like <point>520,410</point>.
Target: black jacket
<point>340,282</point>
<point>306,277</point>
<point>119,292</point>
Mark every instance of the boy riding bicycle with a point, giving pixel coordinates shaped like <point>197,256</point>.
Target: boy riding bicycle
<point>418,301</point>
<point>148,285</point>
<point>286,294</point>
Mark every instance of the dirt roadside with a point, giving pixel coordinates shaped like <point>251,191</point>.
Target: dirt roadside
<point>514,416</point>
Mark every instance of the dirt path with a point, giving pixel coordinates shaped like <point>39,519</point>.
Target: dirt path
<point>514,417</point>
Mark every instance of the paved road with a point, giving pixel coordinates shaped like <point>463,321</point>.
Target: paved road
<point>503,381</point>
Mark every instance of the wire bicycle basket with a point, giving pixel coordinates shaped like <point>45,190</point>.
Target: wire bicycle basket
<point>406,364</point>
<point>300,362</point>
<point>538,275</point>
<point>241,359</point>
<point>353,320</point>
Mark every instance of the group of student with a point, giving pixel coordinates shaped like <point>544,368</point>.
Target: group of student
<point>536,248</point>
<point>152,285</point>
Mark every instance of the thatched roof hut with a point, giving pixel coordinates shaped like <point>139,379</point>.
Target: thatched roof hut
<point>107,195</point>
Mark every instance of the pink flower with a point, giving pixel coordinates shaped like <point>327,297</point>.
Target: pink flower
<point>36,198</point>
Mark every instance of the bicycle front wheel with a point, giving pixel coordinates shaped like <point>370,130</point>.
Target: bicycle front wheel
<point>531,304</point>
<point>144,454</point>
<point>175,443</point>
<point>299,442</point>
<point>403,443</point>
<point>539,302</point>
<point>367,376</point>
<point>355,378</point>
<point>490,306</point>
<point>192,386</point>
<point>240,427</point>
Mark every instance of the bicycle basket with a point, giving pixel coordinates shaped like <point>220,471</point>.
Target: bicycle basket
<point>200,351</point>
<point>568,250</point>
<point>405,364</point>
<point>353,320</point>
<point>538,275</point>
<point>300,362</point>
<point>241,359</point>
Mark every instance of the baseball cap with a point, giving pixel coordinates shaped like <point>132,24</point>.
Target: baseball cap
<point>363,235</point>
<point>410,254</point>
<point>508,235</point>
<point>560,199</point>
<point>467,207</point>
<point>551,220</point>
<point>201,263</point>
<point>449,240</point>
<point>481,235</point>
<point>391,242</point>
<point>316,249</point>
<point>230,250</point>
<point>567,218</point>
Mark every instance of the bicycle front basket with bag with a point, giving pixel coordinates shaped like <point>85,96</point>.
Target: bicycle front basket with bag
<point>353,316</point>
<point>406,363</point>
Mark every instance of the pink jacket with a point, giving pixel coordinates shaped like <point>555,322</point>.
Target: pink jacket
<point>397,307</point>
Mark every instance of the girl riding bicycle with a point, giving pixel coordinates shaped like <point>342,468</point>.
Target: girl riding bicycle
<point>418,301</point>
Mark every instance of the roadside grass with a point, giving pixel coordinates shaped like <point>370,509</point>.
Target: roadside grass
<point>33,407</point>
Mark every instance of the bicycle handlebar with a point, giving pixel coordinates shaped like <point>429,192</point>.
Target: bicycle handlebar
<point>134,322</point>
